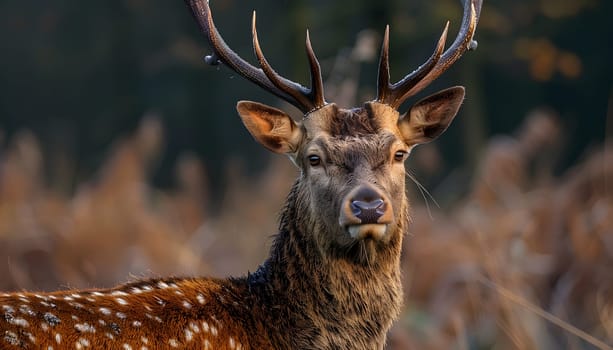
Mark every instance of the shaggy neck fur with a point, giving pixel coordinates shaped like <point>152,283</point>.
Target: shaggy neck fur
<point>316,301</point>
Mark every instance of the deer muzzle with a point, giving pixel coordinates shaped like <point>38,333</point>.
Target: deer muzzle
<point>366,213</point>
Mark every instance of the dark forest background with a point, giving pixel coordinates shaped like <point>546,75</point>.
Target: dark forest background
<point>80,75</point>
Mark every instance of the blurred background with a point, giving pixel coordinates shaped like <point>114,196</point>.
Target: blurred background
<point>122,157</point>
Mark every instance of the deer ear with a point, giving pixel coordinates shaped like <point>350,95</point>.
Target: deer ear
<point>430,117</point>
<point>271,127</point>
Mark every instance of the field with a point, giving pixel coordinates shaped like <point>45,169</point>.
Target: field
<point>518,257</point>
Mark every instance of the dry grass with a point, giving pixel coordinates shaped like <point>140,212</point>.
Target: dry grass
<point>524,260</point>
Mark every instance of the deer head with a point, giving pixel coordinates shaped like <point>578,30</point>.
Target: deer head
<point>352,183</point>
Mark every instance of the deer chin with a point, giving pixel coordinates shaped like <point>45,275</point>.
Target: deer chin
<point>376,232</point>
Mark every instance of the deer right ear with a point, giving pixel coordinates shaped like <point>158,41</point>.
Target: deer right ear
<point>431,116</point>
<point>271,127</point>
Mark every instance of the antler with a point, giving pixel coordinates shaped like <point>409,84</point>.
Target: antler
<point>303,98</point>
<point>395,94</point>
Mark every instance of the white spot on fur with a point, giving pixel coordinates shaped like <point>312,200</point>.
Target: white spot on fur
<point>109,335</point>
<point>144,340</point>
<point>162,285</point>
<point>104,311</point>
<point>232,343</point>
<point>85,328</point>
<point>119,292</point>
<point>81,343</point>
<point>201,299</point>
<point>194,327</point>
<point>173,342</point>
<point>98,294</point>
<point>120,315</point>
<point>25,309</point>
<point>205,326</point>
<point>126,346</point>
<point>11,338</point>
<point>20,322</point>
<point>102,322</point>
<point>74,317</point>
<point>136,323</point>
<point>186,304</point>
<point>207,344</point>
<point>121,301</point>
<point>147,287</point>
<point>31,337</point>
<point>58,338</point>
<point>136,290</point>
<point>188,335</point>
<point>76,305</point>
<point>44,326</point>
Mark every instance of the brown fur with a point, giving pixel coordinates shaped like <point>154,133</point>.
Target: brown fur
<point>323,292</point>
<point>319,289</point>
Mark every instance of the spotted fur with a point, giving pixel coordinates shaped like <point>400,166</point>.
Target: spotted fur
<point>319,289</point>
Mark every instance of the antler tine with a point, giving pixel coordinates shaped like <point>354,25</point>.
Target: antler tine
<point>317,84</point>
<point>222,52</point>
<point>437,63</point>
<point>298,92</point>
<point>383,87</point>
<point>265,77</point>
<point>456,50</point>
<point>395,94</point>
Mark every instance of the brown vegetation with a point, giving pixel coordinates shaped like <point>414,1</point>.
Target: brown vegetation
<point>524,251</point>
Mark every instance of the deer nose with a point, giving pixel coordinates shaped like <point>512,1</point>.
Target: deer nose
<point>367,205</point>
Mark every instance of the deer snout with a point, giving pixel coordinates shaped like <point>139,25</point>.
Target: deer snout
<point>365,212</point>
<point>368,212</point>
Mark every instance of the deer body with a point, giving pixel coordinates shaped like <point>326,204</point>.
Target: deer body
<point>298,299</point>
<point>332,280</point>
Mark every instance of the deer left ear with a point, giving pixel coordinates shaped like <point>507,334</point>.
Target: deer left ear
<point>430,117</point>
<point>271,127</point>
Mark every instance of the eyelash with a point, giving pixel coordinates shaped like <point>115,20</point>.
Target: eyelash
<point>314,160</point>
<point>400,156</point>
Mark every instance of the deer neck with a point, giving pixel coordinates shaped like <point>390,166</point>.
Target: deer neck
<point>318,291</point>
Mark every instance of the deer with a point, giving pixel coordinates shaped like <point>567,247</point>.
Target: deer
<point>332,279</point>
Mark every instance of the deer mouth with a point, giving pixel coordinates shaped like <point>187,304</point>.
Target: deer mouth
<point>367,231</point>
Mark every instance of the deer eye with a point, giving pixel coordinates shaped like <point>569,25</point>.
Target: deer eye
<point>400,156</point>
<point>314,160</point>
